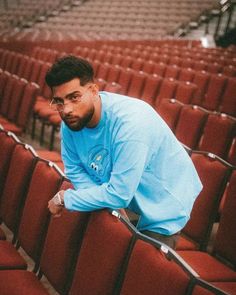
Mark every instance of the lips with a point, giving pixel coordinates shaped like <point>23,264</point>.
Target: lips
<point>71,120</point>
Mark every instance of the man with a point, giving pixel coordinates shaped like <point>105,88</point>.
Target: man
<point>119,153</point>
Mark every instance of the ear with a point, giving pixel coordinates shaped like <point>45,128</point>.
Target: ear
<point>95,88</point>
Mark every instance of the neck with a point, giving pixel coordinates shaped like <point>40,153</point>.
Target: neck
<point>97,113</point>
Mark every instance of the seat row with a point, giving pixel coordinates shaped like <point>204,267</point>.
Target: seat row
<point>151,88</point>
<point>96,252</point>
<point>215,91</point>
<point>17,98</point>
<point>200,129</point>
<point>168,47</point>
<point>185,58</point>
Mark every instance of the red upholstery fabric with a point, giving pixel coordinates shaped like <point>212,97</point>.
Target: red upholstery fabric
<point>137,64</point>
<point>45,112</point>
<point>22,282</point>
<point>214,92</point>
<point>217,135</point>
<point>172,71</point>
<point>55,120</point>
<point>6,98</point>
<point>61,247</point>
<point>40,103</point>
<point>103,70</point>
<point>185,244</point>
<point>199,65</point>
<point>49,155</point>
<point>7,145</point>
<point>113,87</point>
<point>114,73</point>
<point>214,68</point>
<point>12,127</point>
<point>101,256</point>
<point>229,287</point>
<point>136,84</point>
<point>169,110</point>
<point>199,290</point>
<point>126,62</point>
<point>27,103</point>
<point>231,158</point>
<point>44,184</point>
<point>151,88</point>
<point>148,66</point>
<point>150,272</point>
<point>186,74</point>
<point>16,186</point>
<point>167,90</point>
<point>229,71</point>
<point>185,92</point>
<point>124,79</point>
<point>228,104</point>
<point>225,243</point>
<point>2,234</point>
<point>190,125</point>
<point>35,73</point>
<point>159,69</point>
<point>10,258</point>
<point>201,79</point>
<point>28,69</point>
<point>207,266</point>
<point>15,100</point>
<point>212,174</point>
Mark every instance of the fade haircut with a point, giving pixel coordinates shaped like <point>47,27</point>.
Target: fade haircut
<point>68,68</point>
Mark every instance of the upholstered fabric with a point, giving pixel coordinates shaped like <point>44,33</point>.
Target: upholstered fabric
<point>20,282</point>
<point>101,256</point>
<point>150,272</point>
<point>208,267</point>
<point>10,258</point>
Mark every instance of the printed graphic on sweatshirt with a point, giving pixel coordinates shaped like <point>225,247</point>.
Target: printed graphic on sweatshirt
<point>98,160</point>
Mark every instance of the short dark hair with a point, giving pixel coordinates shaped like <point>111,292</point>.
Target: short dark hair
<point>68,68</point>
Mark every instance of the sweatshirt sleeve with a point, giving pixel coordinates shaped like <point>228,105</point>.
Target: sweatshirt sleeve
<point>129,161</point>
<point>74,169</point>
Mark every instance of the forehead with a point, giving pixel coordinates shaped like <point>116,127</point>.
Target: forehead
<point>68,87</point>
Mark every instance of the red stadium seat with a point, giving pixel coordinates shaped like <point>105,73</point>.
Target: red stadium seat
<point>169,110</point>
<point>227,104</point>
<point>214,174</point>
<point>210,267</point>
<point>213,95</point>
<point>104,234</point>
<point>218,134</point>
<point>136,85</point>
<point>190,125</point>
<point>16,185</point>
<point>150,272</point>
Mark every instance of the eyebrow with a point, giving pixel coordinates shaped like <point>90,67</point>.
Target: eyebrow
<point>68,95</point>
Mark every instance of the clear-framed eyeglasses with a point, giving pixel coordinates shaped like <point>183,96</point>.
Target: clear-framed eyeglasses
<point>58,104</point>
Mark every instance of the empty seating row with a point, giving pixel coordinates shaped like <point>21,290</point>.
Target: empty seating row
<point>216,91</point>
<point>185,58</point>
<point>96,20</point>
<point>17,99</point>
<point>200,129</point>
<point>151,88</point>
<point>84,252</point>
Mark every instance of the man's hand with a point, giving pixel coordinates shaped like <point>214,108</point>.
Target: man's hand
<point>56,204</point>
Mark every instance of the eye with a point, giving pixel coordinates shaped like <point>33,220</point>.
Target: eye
<point>75,98</point>
<point>58,101</point>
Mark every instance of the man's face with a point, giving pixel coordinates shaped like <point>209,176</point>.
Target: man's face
<point>75,103</point>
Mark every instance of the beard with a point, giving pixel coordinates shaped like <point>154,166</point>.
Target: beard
<point>78,123</point>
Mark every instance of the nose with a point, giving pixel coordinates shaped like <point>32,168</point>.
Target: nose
<point>68,108</point>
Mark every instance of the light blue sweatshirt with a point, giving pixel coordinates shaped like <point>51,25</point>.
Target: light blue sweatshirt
<point>131,159</point>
